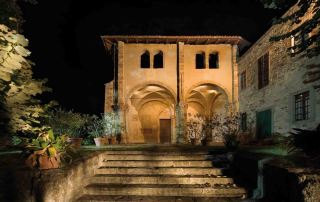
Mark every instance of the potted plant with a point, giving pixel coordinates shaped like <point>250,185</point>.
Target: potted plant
<point>192,131</point>
<point>230,128</point>
<point>68,123</point>
<point>46,150</point>
<point>112,126</point>
<point>196,128</point>
<point>97,131</point>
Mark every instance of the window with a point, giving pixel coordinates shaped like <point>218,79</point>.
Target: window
<point>263,71</point>
<point>243,123</point>
<point>158,60</point>
<point>200,61</point>
<point>145,60</point>
<point>213,61</point>
<point>243,80</point>
<point>302,106</point>
<point>298,41</point>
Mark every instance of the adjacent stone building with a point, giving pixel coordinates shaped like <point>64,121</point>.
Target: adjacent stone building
<point>277,91</point>
<point>161,80</point>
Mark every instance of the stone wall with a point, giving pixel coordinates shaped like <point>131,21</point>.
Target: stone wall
<point>286,79</point>
<point>280,180</point>
<point>291,184</point>
<point>63,185</point>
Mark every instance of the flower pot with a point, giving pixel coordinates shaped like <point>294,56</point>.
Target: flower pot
<point>118,138</point>
<point>46,162</point>
<point>75,141</point>
<point>99,141</point>
<point>42,162</point>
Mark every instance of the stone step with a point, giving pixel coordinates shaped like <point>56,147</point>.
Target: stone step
<point>145,152</point>
<point>125,198</point>
<point>194,190</point>
<point>156,163</point>
<point>161,170</point>
<point>160,179</point>
<point>154,157</point>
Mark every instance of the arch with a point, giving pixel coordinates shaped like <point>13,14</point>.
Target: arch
<point>219,85</point>
<point>150,83</point>
<point>211,97</point>
<point>158,60</point>
<point>149,100</point>
<point>145,60</point>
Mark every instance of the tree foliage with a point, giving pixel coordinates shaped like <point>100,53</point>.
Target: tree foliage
<point>20,110</point>
<point>307,29</point>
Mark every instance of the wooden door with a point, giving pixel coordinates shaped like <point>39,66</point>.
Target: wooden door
<point>165,130</point>
<point>264,124</point>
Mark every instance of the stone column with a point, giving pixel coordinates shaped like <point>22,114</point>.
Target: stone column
<point>180,109</point>
<point>119,102</point>
<point>235,81</point>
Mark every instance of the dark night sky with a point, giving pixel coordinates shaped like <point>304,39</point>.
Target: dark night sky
<point>66,46</point>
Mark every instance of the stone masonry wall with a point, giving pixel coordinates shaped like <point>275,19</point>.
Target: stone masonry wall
<point>286,76</point>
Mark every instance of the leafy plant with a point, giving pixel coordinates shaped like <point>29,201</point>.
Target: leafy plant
<point>69,123</point>
<point>96,127</point>
<point>194,127</point>
<point>306,141</point>
<point>112,124</point>
<point>45,145</point>
<point>229,127</point>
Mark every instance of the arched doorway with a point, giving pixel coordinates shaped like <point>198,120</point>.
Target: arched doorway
<point>152,108</point>
<point>204,100</point>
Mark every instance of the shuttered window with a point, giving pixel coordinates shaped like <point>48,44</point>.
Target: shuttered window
<point>263,71</point>
<point>243,80</point>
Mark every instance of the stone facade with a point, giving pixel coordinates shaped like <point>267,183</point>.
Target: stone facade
<point>287,79</point>
<point>149,97</point>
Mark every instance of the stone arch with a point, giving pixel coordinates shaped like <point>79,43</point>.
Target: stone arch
<point>132,90</point>
<point>148,102</point>
<point>213,83</point>
<point>212,98</point>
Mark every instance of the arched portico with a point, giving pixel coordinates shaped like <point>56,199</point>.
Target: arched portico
<point>150,116</point>
<point>205,99</point>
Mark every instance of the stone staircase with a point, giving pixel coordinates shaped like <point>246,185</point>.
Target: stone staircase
<point>159,176</point>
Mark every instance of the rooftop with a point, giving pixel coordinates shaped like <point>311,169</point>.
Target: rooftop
<point>108,40</point>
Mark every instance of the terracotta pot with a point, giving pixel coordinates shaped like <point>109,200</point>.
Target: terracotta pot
<point>100,141</point>
<point>118,138</point>
<point>75,141</point>
<point>46,162</point>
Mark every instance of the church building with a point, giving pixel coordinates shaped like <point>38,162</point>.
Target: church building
<point>161,81</point>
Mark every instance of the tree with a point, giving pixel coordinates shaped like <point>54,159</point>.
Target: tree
<point>20,110</point>
<point>310,27</point>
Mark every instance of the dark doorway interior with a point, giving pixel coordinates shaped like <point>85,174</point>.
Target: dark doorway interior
<point>165,130</point>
